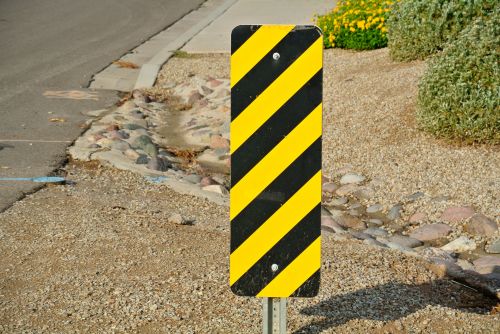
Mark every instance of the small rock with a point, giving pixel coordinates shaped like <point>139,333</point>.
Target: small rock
<point>456,214</point>
<point>394,245</point>
<point>142,159</point>
<point>131,154</point>
<point>413,197</point>
<point>350,222</point>
<point>442,198</point>
<point>120,145</point>
<point>460,245</point>
<point>365,193</point>
<point>207,181</point>
<point>193,178</point>
<point>352,178</point>
<point>328,224</point>
<point>431,232</point>
<point>375,221</point>
<point>94,146</point>
<point>494,247</point>
<point>194,97</point>
<point>374,208</point>
<point>479,224</point>
<point>206,90</point>
<point>214,83</point>
<point>159,164</point>
<point>373,242</point>
<point>177,219</point>
<point>136,113</point>
<point>112,127</point>
<point>217,141</point>
<point>376,232</point>
<point>216,188</point>
<point>417,217</point>
<point>405,241</point>
<point>394,212</point>
<point>433,253</point>
<point>338,201</point>
<point>354,213</point>
<point>464,264</point>
<point>487,264</point>
<point>346,189</point>
<point>329,187</point>
<point>132,126</point>
<point>360,235</point>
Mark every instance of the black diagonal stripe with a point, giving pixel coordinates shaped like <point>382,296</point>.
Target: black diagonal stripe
<point>268,69</point>
<point>241,34</point>
<point>276,194</point>
<point>310,288</point>
<point>276,128</point>
<point>282,254</point>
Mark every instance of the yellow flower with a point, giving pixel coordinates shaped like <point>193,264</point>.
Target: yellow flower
<point>331,38</point>
<point>352,29</point>
<point>361,24</point>
<point>384,29</point>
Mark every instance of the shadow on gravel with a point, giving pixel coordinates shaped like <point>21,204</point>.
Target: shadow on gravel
<point>393,301</point>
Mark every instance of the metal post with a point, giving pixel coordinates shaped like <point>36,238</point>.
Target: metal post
<point>274,311</point>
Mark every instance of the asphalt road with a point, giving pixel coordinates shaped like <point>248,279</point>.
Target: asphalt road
<point>49,50</point>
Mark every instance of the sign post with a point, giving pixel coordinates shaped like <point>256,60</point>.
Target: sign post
<point>275,198</point>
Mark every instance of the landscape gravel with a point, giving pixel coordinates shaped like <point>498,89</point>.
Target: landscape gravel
<point>102,254</point>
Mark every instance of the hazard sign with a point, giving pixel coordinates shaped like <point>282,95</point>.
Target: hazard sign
<point>276,124</point>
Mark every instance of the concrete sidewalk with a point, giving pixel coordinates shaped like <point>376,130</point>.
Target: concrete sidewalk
<point>216,37</point>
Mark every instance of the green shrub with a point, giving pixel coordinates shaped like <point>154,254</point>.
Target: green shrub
<point>419,28</point>
<point>356,24</point>
<point>459,94</point>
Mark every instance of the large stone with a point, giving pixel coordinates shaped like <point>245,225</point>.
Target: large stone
<point>487,264</point>
<point>460,245</point>
<point>405,241</point>
<point>431,232</point>
<point>456,214</point>
<point>146,144</point>
<point>352,178</point>
<point>479,224</point>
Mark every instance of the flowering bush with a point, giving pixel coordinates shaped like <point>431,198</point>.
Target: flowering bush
<point>419,28</point>
<point>459,95</point>
<point>356,24</point>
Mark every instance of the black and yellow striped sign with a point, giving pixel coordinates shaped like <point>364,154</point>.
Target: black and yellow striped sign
<point>276,123</point>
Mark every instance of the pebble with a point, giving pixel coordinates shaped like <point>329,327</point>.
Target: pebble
<point>494,247</point>
<point>195,97</point>
<point>479,224</point>
<point>373,242</point>
<point>456,214</point>
<point>329,187</point>
<point>460,245</point>
<point>360,235</point>
<point>177,219</point>
<point>376,232</point>
<point>132,126</point>
<point>120,145</point>
<point>395,212</point>
<point>374,208</point>
<point>487,264</point>
<point>405,241</point>
<point>433,253</point>
<point>464,264</point>
<point>207,181</point>
<point>352,178</point>
<point>376,221</point>
<point>217,141</point>
<point>431,232</point>
<point>131,154</point>
<point>216,188</point>
<point>394,245</point>
<point>158,164</point>
<point>365,193</point>
<point>142,159</point>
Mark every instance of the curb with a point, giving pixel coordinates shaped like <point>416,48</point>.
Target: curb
<point>149,71</point>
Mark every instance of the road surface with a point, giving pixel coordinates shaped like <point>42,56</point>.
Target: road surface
<point>49,51</point>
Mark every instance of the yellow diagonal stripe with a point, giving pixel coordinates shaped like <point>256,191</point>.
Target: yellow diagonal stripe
<point>296,273</point>
<point>255,48</point>
<point>275,162</point>
<point>275,228</point>
<point>280,91</point>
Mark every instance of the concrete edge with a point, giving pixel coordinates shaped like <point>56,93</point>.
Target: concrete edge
<point>149,71</point>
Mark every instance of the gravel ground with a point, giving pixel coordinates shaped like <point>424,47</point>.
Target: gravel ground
<point>100,256</point>
<point>369,128</point>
